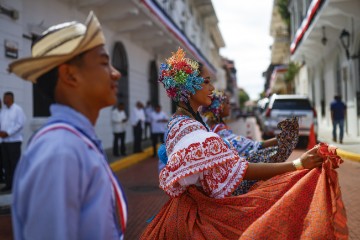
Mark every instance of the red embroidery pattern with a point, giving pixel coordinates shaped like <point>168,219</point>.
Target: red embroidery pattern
<point>178,125</point>
<point>219,127</point>
<point>178,133</point>
<point>221,181</point>
<point>224,168</point>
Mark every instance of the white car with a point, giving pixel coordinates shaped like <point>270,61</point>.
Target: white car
<point>287,106</point>
<point>260,112</point>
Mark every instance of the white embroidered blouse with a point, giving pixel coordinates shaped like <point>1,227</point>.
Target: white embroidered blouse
<point>201,158</point>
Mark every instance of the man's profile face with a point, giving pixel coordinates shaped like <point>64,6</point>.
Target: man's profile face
<point>8,100</point>
<point>98,78</point>
<point>121,107</point>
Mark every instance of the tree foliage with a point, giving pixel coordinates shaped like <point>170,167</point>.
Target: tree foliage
<point>283,10</point>
<point>292,71</point>
<point>243,97</point>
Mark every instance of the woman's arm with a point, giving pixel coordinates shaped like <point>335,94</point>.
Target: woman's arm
<point>269,143</point>
<point>263,171</point>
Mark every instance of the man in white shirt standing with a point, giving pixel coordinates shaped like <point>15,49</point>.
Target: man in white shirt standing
<point>12,122</point>
<point>118,120</point>
<point>159,121</point>
<point>137,121</point>
<point>148,111</point>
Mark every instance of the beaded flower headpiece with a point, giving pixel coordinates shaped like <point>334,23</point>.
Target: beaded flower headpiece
<point>180,76</point>
<point>213,111</point>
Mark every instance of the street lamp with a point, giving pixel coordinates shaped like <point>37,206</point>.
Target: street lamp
<point>12,13</point>
<point>345,42</point>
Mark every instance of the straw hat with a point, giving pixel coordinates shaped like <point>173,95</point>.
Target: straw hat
<point>57,45</point>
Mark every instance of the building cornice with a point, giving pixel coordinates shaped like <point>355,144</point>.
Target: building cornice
<point>167,21</point>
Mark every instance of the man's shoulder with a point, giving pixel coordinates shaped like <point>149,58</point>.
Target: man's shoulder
<point>333,104</point>
<point>56,137</point>
<point>17,106</point>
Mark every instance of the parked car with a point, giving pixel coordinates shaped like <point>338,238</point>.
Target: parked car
<point>260,111</point>
<point>286,106</point>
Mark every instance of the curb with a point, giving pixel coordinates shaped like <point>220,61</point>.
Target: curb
<point>126,162</point>
<point>348,155</point>
<point>351,156</point>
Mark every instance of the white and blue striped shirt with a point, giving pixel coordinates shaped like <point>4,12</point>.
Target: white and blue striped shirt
<point>62,189</point>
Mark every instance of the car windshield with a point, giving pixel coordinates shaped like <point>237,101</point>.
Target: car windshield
<point>299,104</point>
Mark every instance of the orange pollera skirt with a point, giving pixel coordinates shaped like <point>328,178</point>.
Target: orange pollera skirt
<point>297,205</point>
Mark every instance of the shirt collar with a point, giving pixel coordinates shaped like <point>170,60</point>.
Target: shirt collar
<point>62,113</point>
<point>6,107</point>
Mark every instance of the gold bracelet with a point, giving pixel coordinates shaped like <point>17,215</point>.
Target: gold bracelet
<point>298,164</point>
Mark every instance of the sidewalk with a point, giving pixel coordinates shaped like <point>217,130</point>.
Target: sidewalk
<point>350,143</point>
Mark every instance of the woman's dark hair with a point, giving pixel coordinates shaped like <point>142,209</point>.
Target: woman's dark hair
<point>201,67</point>
<point>196,115</point>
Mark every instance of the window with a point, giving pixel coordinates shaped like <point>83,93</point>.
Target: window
<point>322,94</point>
<point>120,62</point>
<point>154,85</point>
<point>41,104</point>
<point>338,87</point>
<point>286,104</point>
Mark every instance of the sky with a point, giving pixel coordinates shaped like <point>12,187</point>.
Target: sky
<point>245,27</point>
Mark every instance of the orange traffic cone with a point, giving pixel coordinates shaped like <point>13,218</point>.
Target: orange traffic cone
<point>312,138</point>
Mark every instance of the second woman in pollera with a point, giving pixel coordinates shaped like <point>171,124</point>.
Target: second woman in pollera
<point>274,150</point>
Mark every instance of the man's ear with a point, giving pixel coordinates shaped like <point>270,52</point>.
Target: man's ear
<point>68,74</point>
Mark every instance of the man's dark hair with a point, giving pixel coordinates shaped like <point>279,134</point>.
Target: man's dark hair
<point>9,94</point>
<point>46,83</point>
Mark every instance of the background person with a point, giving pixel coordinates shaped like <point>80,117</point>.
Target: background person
<point>270,151</point>
<point>118,120</point>
<point>148,111</point>
<point>338,115</point>
<point>12,122</point>
<point>137,122</point>
<point>159,121</point>
<point>64,187</point>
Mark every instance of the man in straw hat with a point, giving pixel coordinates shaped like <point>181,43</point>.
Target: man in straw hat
<point>63,187</point>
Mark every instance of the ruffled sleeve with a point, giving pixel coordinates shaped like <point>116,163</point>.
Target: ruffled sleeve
<point>242,144</point>
<point>202,158</point>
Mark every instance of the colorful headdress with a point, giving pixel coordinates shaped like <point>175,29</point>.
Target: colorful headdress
<point>180,76</point>
<point>213,111</point>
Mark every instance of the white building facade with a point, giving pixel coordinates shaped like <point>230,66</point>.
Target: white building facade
<point>140,35</point>
<point>326,41</point>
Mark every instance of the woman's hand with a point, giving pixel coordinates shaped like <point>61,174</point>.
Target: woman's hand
<point>311,159</point>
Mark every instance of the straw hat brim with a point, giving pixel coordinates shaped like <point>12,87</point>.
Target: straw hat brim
<point>31,68</point>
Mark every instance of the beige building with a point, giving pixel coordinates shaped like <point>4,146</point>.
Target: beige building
<point>280,54</point>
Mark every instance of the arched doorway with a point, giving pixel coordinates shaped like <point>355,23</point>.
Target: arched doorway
<point>153,83</point>
<point>120,62</point>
